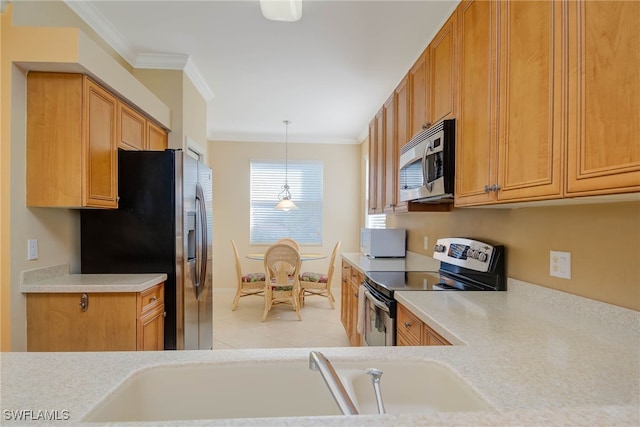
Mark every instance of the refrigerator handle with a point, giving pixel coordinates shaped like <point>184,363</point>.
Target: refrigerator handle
<point>201,230</point>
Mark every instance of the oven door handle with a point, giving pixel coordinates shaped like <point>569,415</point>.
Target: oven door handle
<point>375,302</point>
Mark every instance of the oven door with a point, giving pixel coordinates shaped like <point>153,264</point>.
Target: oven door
<point>380,322</point>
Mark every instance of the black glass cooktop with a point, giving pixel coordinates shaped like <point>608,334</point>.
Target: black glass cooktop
<point>388,282</point>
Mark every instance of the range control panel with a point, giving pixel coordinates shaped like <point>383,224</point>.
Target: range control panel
<point>467,253</point>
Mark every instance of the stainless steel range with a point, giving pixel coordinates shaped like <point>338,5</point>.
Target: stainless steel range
<point>465,265</point>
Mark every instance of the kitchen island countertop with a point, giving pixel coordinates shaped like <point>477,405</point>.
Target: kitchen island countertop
<point>57,279</point>
<point>538,356</point>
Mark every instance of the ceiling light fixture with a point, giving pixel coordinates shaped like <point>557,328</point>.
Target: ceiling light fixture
<point>286,204</point>
<point>281,10</point>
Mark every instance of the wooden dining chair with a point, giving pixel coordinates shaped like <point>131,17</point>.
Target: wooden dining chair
<point>246,284</point>
<point>319,283</point>
<point>291,242</point>
<point>282,267</point>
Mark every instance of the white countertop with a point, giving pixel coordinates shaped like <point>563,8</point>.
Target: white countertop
<point>412,262</point>
<point>538,356</point>
<point>57,279</point>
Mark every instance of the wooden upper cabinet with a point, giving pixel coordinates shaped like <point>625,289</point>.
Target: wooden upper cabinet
<point>604,106</point>
<point>136,132</point>
<point>510,147</point>
<point>418,94</point>
<point>390,159</point>
<point>442,75</point>
<point>373,167</point>
<point>402,132</point>
<point>530,137</point>
<point>157,138</point>
<point>131,128</point>
<point>380,162</point>
<point>476,137</point>
<point>71,142</point>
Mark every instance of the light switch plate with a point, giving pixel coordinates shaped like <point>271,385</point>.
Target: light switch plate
<point>426,242</point>
<point>32,249</point>
<point>560,264</point>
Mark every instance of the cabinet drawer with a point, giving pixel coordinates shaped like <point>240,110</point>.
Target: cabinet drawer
<point>409,325</point>
<point>150,298</point>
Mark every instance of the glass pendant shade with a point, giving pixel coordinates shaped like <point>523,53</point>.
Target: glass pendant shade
<point>281,10</point>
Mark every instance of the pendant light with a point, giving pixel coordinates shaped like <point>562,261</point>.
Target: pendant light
<point>286,204</point>
<point>281,10</point>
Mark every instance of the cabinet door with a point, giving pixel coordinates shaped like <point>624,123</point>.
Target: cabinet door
<point>100,168</point>
<point>390,159</point>
<point>402,133</point>
<point>353,307</point>
<point>604,110</point>
<point>157,138</point>
<point>150,331</point>
<point>476,137</point>
<point>57,322</point>
<point>530,135</point>
<point>373,166</point>
<point>442,77</point>
<point>132,128</point>
<point>345,301</point>
<point>419,99</point>
<point>380,162</point>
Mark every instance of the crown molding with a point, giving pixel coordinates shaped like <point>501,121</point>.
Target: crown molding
<point>101,25</point>
<point>96,20</point>
<point>271,138</point>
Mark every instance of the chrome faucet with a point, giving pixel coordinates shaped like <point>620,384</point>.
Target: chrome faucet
<point>375,380</point>
<point>318,362</point>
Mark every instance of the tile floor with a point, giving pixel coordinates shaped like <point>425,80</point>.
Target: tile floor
<point>243,328</point>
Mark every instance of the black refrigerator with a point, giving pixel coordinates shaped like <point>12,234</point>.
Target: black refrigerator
<point>163,224</point>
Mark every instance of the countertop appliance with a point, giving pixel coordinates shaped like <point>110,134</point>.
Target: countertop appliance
<point>163,225</point>
<point>465,265</point>
<point>427,165</point>
<point>383,242</point>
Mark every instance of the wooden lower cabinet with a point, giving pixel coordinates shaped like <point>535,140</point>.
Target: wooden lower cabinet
<point>412,331</point>
<point>351,279</point>
<point>104,321</point>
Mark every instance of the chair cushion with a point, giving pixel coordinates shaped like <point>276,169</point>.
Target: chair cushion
<point>314,277</point>
<point>282,288</point>
<point>253,277</point>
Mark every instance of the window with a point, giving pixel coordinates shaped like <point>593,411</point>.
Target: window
<point>304,224</point>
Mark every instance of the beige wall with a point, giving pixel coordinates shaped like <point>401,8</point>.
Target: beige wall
<point>55,229</point>
<point>342,215</point>
<point>188,107</point>
<point>590,233</point>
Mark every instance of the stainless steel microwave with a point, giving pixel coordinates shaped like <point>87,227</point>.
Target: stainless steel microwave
<point>427,165</point>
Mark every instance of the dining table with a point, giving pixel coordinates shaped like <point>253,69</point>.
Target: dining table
<point>303,256</point>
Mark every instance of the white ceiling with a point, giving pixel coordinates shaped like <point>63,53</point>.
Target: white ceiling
<point>328,73</point>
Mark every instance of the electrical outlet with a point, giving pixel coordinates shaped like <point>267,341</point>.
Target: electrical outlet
<point>426,242</point>
<point>32,249</point>
<point>560,264</point>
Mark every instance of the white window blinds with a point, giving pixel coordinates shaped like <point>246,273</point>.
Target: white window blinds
<point>304,224</point>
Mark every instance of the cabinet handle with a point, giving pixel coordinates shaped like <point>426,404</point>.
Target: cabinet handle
<point>494,187</point>
<point>84,302</point>
<point>407,325</point>
<point>164,314</point>
<point>152,299</point>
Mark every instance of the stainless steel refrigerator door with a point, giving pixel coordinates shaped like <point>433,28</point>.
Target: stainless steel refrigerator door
<point>191,237</point>
<point>205,300</point>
